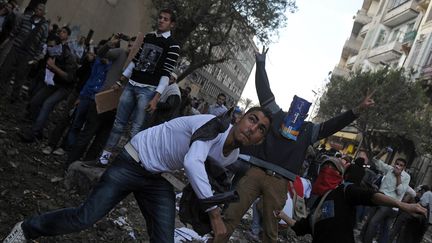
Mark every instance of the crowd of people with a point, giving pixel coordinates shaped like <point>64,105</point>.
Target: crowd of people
<point>276,169</point>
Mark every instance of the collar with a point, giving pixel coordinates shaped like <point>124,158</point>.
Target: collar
<point>164,34</point>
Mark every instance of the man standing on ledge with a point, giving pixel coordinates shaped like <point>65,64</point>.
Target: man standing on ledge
<point>148,75</point>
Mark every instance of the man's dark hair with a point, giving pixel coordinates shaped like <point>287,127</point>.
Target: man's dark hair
<point>267,113</point>
<point>425,188</point>
<point>54,37</point>
<point>402,160</point>
<point>171,12</point>
<point>68,30</point>
<point>221,94</point>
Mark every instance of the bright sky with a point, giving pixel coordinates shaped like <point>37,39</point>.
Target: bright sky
<point>308,48</point>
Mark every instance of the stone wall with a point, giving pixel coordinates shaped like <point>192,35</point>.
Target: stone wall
<point>105,17</point>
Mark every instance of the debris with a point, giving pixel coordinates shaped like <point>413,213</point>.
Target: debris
<point>56,179</point>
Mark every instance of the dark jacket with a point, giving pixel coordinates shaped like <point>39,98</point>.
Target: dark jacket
<point>66,62</point>
<point>281,151</point>
<point>337,219</point>
<point>7,27</point>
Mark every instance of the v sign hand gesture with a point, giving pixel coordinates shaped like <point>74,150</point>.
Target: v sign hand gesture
<point>365,104</point>
<point>260,57</point>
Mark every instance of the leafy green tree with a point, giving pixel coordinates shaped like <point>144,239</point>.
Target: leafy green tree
<point>401,116</point>
<point>212,31</point>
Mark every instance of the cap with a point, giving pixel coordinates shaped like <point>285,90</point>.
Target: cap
<point>335,161</point>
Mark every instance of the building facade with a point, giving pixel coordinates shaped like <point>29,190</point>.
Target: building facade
<point>395,34</point>
<point>229,77</point>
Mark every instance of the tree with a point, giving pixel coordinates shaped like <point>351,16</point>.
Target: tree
<point>246,102</point>
<point>401,114</point>
<point>212,31</point>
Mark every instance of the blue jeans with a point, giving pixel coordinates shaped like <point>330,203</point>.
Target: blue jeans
<point>79,120</point>
<point>155,197</point>
<point>133,102</point>
<point>43,103</point>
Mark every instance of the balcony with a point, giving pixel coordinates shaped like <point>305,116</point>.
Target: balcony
<point>351,47</point>
<point>401,13</point>
<point>385,53</point>
<point>350,62</point>
<point>339,71</point>
<point>361,20</point>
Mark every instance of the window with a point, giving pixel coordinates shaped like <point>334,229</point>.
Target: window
<point>396,3</point>
<point>381,38</point>
<point>395,35</point>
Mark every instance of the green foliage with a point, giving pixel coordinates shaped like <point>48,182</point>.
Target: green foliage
<point>400,111</point>
<point>212,31</point>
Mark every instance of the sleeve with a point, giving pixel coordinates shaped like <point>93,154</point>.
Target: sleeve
<point>403,187</point>
<point>43,39</point>
<point>163,83</point>
<point>107,52</point>
<point>381,166</point>
<point>357,195</point>
<point>335,124</point>
<point>69,68</point>
<point>302,227</point>
<point>172,101</point>
<point>128,71</point>
<point>265,95</point>
<point>426,199</point>
<point>195,168</point>
<point>171,58</point>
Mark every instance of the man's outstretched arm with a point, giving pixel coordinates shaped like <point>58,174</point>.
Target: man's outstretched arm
<point>336,123</point>
<point>265,95</point>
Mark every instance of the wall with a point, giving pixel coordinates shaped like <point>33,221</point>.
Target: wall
<point>105,17</point>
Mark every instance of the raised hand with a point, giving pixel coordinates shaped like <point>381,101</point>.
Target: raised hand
<point>260,57</point>
<point>366,103</point>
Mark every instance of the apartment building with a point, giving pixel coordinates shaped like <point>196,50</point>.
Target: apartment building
<point>393,33</point>
<point>229,77</point>
<point>384,33</point>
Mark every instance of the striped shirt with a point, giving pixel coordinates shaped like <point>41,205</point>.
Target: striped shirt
<point>155,60</point>
<point>30,36</point>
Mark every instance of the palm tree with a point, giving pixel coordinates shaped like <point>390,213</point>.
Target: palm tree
<point>246,102</point>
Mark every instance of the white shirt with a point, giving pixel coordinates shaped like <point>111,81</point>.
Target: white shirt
<point>165,148</point>
<point>388,183</point>
<point>426,201</point>
<point>217,109</point>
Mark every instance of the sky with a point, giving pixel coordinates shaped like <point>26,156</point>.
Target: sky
<point>307,50</point>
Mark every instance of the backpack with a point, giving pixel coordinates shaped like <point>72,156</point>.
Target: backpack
<point>299,203</point>
<point>316,212</point>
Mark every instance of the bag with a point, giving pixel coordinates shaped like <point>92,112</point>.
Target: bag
<point>299,203</point>
<point>318,210</point>
<point>293,121</point>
